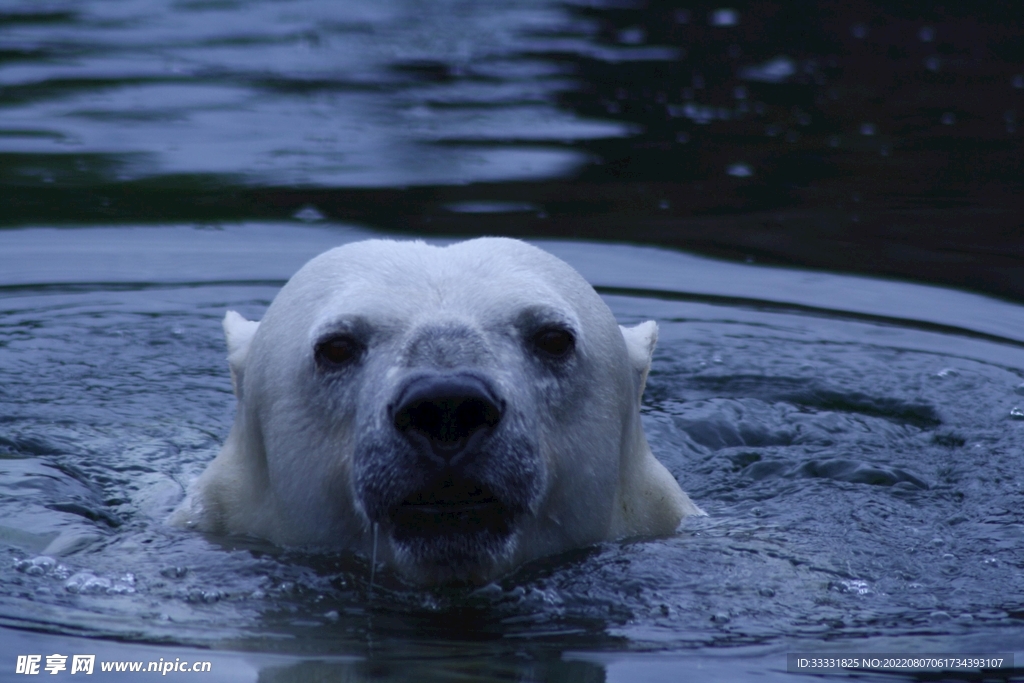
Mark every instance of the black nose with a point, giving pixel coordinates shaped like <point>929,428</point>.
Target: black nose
<point>446,416</point>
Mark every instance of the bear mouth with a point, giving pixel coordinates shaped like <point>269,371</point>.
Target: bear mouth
<point>450,508</point>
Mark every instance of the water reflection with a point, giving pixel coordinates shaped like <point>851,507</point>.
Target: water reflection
<point>302,92</point>
<point>855,135</point>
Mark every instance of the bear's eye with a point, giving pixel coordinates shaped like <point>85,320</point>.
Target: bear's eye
<point>554,342</point>
<point>338,351</point>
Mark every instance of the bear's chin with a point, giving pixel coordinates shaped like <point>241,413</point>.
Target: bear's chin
<point>472,559</point>
<point>452,531</point>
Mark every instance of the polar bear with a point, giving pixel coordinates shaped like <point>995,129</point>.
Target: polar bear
<point>476,405</point>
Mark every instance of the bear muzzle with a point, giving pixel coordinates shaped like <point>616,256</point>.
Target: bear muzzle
<point>448,419</point>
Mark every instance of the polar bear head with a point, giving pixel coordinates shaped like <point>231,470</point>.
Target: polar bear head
<point>475,405</point>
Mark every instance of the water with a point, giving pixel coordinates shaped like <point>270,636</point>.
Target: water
<point>854,442</point>
<point>295,93</point>
<point>856,136</point>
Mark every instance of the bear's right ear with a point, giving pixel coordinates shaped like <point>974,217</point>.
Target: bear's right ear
<point>239,333</point>
<point>640,341</point>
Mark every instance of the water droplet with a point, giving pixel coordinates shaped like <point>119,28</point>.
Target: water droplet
<point>740,170</point>
<point>174,572</point>
<point>1018,81</point>
<point>196,595</point>
<point>868,129</point>
<point>933,63</point>
<point>86,583</point>
<point>777,70</point>
<point>947,372</point>
<point>939,615</point>
<point>664,204</point>
<point>1019,389</point>
<point>859,31</point>
<point>739,92</point>
<point>965,618</point>
<point>308,214</point>
<point>699,115</point>
<point>948,119</point>
<point>37,566</point>
<point>926,34</point>
<point>634,35</point>
<point>1016,413</point>
<point>725,17</point>
<point>854,586</point>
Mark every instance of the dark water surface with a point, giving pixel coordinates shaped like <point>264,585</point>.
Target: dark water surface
<point>859,136</point>
<point>857,443</point>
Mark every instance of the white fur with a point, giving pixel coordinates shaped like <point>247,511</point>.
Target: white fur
<point>285,472</point>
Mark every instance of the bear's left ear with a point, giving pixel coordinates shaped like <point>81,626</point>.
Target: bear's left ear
<point>239,333</point>
<point>640,341</point>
